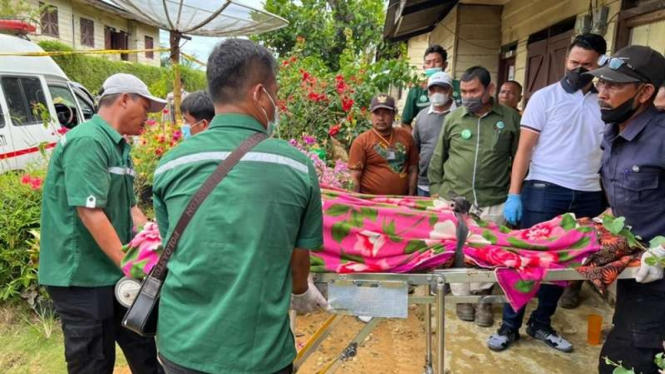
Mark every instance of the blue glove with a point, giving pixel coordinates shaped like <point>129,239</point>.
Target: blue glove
<point>512,211</point>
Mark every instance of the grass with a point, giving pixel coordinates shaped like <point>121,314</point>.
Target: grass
<point>32,344</point>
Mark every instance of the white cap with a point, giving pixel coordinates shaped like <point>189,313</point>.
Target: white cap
<point>129,84</point>
<point>440,79</point>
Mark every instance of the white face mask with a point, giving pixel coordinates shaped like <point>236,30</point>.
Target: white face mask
<point>439,98</point>
<point>272,125</point>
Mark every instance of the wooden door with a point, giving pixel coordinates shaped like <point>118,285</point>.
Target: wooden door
<point>537,66</point>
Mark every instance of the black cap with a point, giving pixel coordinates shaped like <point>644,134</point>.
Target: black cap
<point>382,101</point>
<point>642,64</point>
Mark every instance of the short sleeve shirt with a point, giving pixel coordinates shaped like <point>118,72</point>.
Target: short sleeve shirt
<point>225,301</point>
<point>570,132</point>
<point>90,167</point>
<point>384,161</point>
<point>633,171</point>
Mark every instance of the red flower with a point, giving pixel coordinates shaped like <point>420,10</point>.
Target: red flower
<point>165,111</point>
<point>161,139</point>
<point>177,135</point>
<point>151,122</point>
<point>300,39</point>
<point>293,59</point>
<point>347,104</point>
<point>36,183</point>
<point>62,130</point>
<point>334,130</point>
<point>305,75</point>
<point>313,96</point>
<point>363,110</point>
<point>285,63</point>
<point>159,151</point>
<point>341,87</point>
<point>143,142</point>
<point>26,179</point>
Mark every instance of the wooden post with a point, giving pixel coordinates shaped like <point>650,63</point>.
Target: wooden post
<point>174,38</point>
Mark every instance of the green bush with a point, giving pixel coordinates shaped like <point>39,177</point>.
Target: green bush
<point>20,213</point>
<point>91,71</point>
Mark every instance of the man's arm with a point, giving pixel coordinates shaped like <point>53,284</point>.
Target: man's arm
<point>300,270</point>
<point>356,175</point>
<point>413,179</point>
<point>138,217</point>
<point>96,221</point>
<point>527,142</point>
<point>435,168</point>
<point>409,111</point>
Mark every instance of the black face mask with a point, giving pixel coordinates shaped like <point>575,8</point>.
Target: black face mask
<point>577,79</point>
<point>621,113</point>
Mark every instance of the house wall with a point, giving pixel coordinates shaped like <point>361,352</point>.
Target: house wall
<point>478,39</point>
<point>521,18</point>
<point>652,34</point>
<point>444,35</point>
<point>69,24</point>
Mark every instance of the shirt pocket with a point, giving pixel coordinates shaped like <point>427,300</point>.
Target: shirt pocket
<point>639,188</point>
<point>501,141</point>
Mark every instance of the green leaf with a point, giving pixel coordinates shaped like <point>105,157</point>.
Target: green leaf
<point>582,243</point>
<point>524,286</point>
<point>614,225</point>
<point>438,248</point>
<point>622,370</point>
<point>354,258</point>
<point>482,223</point>
<point>315,260</point>
<point>337,210</point>
<point>340,231</point>
<point>585,229</point>
<point>433,220</point>
<point>356,219</point>
<point>414,245</point>
<point>504,230</point>
<point>651,261</point>
<point>489,236</point>
<point>568,222</point>
<point>516,243</point>
<point>657,241</point>
<point>369,213</point>
<point>389,228</point>
<point>42,148</point>
<point>565,256</point>
<point>395,239</point>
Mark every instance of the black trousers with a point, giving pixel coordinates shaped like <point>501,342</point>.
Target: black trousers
<point>91,323</point>
<point>639,327</point>
<point>173,368</point>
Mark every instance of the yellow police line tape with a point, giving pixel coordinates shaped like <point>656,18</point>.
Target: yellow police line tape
<point>82,52</point>
<point>192,58</point>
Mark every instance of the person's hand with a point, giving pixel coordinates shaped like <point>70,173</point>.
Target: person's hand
<point>309,301</point>
<point>512,210</point>
<point>651,267</point>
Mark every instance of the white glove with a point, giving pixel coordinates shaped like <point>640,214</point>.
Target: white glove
<point>309,301</point>
<point>649,273</point>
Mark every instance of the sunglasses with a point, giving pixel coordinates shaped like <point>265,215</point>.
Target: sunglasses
<point>616,63</point>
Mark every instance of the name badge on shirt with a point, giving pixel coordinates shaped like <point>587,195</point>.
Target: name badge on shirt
<point>391,154</point>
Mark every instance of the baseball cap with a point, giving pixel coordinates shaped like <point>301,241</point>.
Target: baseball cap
<point>636,63</point>
<point>382,101</point>
<point>130,84</point>
<point>440,79</point>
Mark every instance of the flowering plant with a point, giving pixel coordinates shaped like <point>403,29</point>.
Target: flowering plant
<point>158,136</point>
<point>336,176</point>
<point>316,101</point>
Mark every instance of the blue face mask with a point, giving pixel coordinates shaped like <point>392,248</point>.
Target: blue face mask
<point>186,131</point>
<point>431,71</point>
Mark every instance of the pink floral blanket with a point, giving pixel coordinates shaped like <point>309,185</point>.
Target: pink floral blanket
<point>368,233</point>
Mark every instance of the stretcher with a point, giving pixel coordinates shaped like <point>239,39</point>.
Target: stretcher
<point>352,294</point>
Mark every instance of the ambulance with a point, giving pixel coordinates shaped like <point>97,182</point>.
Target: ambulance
<point>38,104</point>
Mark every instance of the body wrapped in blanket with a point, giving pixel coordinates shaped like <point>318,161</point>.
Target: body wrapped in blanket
<point>387,234</point>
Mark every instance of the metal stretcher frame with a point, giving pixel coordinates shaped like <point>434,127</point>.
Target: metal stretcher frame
<point>435,282</point>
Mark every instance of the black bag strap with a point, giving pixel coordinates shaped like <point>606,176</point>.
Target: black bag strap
<point>158,272</point>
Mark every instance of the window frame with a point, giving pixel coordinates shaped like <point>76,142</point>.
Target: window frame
<point>32,118</point>
<point>149,54</point>
<point>87,27</point>
<point>49,20</point>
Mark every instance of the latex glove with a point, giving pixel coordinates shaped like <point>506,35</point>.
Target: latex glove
<point>512,211</point>
<point>309,301</point>
<point>649,273</point>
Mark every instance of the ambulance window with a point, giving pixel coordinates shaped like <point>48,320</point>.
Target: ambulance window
<point>87,110</point>
<point>2,117</point>
<point>22,96</point>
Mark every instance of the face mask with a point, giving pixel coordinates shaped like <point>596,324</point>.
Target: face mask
<point>438,98</point>
<point>431,71</point>
<point>272,125</point>
<point>577,79</point>
<point>186,131</point>
<point>621,113</point>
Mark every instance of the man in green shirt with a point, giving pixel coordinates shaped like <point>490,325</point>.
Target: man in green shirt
<point>88,212</point>
<point>244,258</point>
<point>435,60</point>
<point>473,159</point>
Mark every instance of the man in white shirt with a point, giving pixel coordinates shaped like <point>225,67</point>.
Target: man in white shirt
<point>560,147</point>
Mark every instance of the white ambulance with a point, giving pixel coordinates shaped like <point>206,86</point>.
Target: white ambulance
<point>37,104</point>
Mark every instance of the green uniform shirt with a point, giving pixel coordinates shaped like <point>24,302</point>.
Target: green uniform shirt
<point>90,167</point>
<point>473,157</point>
<point>418,99</point>
<point>224,304</point>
